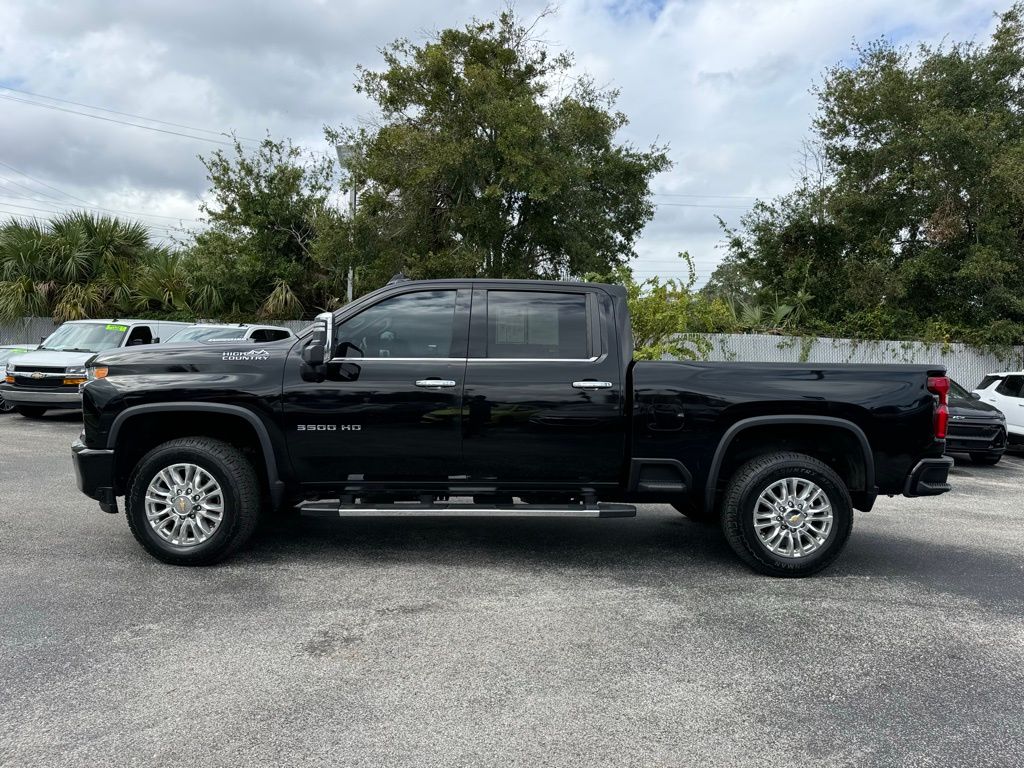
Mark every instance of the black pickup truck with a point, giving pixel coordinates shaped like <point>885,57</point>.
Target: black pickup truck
<point>506,398</point>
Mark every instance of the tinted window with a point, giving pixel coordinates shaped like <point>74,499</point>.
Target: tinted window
<point>140,335</point>
<point>205,333</point>
<point>955,390</point>
<point>273,335</point>
<point>523,324</point>
<point>411,325</point>
<point>1010,386</point>
<point>987,381</point>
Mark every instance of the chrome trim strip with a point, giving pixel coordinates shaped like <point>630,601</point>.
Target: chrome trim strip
<point>465,359</point>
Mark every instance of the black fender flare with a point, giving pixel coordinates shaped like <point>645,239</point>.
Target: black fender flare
<point>263,435</point>
<point>760,421</point>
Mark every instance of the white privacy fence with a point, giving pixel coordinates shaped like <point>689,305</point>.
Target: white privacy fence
<point>965,364</point>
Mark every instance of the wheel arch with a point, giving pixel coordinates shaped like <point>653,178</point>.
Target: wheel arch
<point>861,469</point>
<point>218,420</point>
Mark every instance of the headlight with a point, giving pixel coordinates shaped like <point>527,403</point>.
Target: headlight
<point>97,372</point>
<point>76,370</point>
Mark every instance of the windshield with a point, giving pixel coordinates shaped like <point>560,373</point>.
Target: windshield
<point>202,334</point>
<point>955,390</point>
<point>85,337</point>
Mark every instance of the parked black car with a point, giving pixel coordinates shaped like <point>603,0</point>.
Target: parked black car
<point>424,392</point>
<point>975,428</point>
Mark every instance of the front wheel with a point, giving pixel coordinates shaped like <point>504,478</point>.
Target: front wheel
<point>193,501</point>
<point>5,407</point>
<point>30,411</point>
<point>787,514</point>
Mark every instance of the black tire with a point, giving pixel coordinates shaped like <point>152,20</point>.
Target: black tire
<point>695,511</point>
<point>5,407</point>
<point>988,459</point>
<point>30,411</point>
<point>741,495</point>
<point>238,481</point>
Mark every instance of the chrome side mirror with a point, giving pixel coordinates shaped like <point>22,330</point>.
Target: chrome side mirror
<point>319,349</point>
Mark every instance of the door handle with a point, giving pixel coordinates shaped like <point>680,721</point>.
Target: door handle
<point>435,383</point>
<point>591,384</point>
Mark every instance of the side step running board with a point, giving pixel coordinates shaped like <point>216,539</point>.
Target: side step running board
<point>334,508</point>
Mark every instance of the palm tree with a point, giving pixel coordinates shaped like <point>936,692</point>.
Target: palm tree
<point>81,265</point>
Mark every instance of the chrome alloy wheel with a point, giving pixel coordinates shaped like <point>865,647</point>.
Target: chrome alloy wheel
<point>792,517</point>
<point>184,504</point>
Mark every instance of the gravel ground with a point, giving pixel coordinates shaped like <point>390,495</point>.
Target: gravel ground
<point>487,642</point>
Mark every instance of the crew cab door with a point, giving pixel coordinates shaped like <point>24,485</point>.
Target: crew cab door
<point>544,391</point>
<point>389,410</point>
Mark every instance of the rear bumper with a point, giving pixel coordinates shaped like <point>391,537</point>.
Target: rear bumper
<point>94,473</point>
<point>928,477</point>
<point>47,398</point>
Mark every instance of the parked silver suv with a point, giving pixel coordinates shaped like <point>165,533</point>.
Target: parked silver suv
<point>222,332</point>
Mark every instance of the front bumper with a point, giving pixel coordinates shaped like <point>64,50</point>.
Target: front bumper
<point>928,477</point>
<point>65,397</point>
<point>94,472</point>
<point>976,437</point>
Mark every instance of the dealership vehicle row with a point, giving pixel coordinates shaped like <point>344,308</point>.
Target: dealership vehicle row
<point>47,376</point>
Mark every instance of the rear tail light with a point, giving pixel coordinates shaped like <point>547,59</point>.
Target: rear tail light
<point>939,386</point>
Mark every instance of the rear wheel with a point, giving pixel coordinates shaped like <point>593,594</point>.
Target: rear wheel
<point>30,411</point>
<point>193,501</point>
<point>986,458</point>
<point>787,514</point>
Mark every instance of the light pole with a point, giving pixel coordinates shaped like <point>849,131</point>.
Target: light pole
<point>346,154</point>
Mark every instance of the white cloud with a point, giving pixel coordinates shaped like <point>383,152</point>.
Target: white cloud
<point>724,82</point>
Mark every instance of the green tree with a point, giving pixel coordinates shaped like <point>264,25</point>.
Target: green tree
<point>915,226</point>
<point>668,317</point>
<point>490,159</point>
<point>271,245</point>
<point>80,265</point>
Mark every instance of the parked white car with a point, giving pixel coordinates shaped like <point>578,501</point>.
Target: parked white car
<point>222,332</point>
<point>48,377</point>
<point>1006,392</point>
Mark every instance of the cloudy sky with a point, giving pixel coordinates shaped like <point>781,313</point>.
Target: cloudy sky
<point>723,82</point>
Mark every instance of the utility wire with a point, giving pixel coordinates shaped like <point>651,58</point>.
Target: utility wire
<point>51,210</point>
<point>100,208</point>
<point>113,120</point>
<point>701,205</point>
<point>43,183</point>
<point>75,197</point>
<point>124,114</point>
<point>728,197</point>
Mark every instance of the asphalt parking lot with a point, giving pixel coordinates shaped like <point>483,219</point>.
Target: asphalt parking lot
<point>532,642</point>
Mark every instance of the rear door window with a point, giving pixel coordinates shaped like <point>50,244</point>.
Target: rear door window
<point>1011,386</point>
<point>538,325</point>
